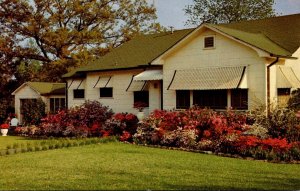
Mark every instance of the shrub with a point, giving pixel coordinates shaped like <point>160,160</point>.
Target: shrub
<point>247,135</point>
<point>179,138</point>
<point>281,122</point>
<point>81,121</point>
<point>123,125</point>
<point>294,101</point>
<point>257,130</point>
<point>33,116</point>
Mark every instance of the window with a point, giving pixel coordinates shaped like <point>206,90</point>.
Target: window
<point>141,96</point>
<point>283,96</point>
<point>239,99</point>
<point>106,92</point>
<point>209,42</point>
<point>214,99</point>
<point>56,104</point>
<point>78,93</point>
<point>182,99</point>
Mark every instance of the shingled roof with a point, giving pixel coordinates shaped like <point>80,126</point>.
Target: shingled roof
<point>140,51</point>
<point>279,36</point>
<point>45,88</point>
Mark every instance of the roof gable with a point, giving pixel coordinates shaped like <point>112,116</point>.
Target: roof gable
<point>44,88</point>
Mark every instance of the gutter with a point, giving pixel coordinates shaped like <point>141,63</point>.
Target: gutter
<point>268,84</point>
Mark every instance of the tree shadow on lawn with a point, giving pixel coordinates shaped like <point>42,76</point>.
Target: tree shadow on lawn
<point>267,184</point>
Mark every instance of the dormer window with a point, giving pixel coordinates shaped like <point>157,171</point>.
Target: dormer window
<point>209,42</point>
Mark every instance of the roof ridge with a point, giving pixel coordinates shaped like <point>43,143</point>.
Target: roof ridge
<point>274,42</point>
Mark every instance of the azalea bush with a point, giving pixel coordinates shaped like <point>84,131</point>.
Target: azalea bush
<point>199,124</point>
<point>222,132</point>
<point>122,125</point>
<point>91,119</point>
<point>80,121</point>
<point>33,110</point>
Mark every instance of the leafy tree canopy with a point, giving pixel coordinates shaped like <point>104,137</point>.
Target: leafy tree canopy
<point>64,33</point>
<point>227,11</point>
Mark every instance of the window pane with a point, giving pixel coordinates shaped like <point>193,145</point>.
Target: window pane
<point>141,96</point>
<point>62,103</point>
<point>239,99</point>
<point>51,105</point>
<point>214,99</point>
<point>106,92</point>
<point>79,93</point>
<point>56,104</point>
<point>183,99</point>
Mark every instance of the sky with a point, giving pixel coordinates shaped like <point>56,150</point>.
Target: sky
<point>170,12</point>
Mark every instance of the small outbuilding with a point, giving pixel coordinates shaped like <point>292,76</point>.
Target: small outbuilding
<point>53,94</point>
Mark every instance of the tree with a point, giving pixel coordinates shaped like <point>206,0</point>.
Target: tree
<point>65,33</point>
<point>227,11</point>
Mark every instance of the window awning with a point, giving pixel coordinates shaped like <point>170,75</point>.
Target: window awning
<point>136,85</point>
<point>149,75</point>
<point>209,78</point>
<point>76,84</point>
<point>286,78</point>
<point>104,82</point>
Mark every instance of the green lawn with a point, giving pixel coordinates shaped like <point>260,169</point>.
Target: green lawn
<point>124,166</point>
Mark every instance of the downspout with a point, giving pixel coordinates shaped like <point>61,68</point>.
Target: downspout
<point>161,95</point>
<point>66,93</point>
<point>268,85</point>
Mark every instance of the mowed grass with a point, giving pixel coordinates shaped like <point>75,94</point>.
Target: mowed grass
<point>123,166</point>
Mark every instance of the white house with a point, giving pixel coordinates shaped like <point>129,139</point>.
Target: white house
<point>240,65</point>
<point>53,94</point>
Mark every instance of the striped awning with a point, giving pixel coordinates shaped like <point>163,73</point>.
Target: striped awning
<point>104,82</point>
<point>209,78</point>
<point>136,85</point>
<point>286,78</point>
<point>149,75</point>
<point>76,84</point>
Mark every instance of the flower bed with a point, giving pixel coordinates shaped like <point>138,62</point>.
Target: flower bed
<point>229,132</point>
<point>275,137</point>
<point>88,120</point>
